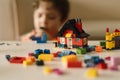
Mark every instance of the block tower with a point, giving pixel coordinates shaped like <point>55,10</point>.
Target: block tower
<point>112,39</point>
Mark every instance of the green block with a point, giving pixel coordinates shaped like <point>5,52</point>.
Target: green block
<point>81,51</point>
<point>103,43</point>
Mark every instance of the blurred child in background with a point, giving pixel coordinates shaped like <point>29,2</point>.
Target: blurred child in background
<point>48,16</point>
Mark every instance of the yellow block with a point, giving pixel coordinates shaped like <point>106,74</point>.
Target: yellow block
<point>47,70</point>
<point>45,57</point>
<point>92,73</point>
<point>27,62</point>
<point>69,58</point>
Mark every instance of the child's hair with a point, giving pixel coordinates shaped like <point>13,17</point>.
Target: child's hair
<point>61,5</point>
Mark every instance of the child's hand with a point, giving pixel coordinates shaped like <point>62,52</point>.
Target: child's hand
<point>28,36</point>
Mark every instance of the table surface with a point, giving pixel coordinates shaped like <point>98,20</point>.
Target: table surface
<point>10,71</point>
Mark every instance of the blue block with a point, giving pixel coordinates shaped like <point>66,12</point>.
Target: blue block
<point>60,55</point>
<point>35,38</point>
<point>71,52</point>
<point>46,51</point>
<point>42,39</point>
<point>38,51</point>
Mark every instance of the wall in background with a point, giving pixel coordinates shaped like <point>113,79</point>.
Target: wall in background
<point>25,17</point>
<point>7,31</point>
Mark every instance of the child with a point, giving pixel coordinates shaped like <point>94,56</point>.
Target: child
<point>48,16</point>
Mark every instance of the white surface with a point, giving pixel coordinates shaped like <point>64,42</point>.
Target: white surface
<point>19,72</point>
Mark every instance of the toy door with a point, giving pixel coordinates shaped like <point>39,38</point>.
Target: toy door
<point>69,42</point>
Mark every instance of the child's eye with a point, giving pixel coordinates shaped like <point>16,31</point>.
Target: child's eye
<point>51,17</point>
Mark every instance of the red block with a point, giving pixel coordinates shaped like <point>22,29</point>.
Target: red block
<point>74,64</point>
<point>102,66</point>
<point>17,59</point>
<point>56,54</point>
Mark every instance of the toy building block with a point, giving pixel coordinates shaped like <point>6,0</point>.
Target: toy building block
<point>31,58</point>
<point>102,66</point>
<point>69,58</point>
<point>56,53</point>
<point>89,61</point>
<point>71,35</point>
<point>47,70</point>
<point>37,52</point>
<point>39,62</point>
<point>92,61</point>
<point>17,59</point>
<point>46,51</point>
<point>92,73</point>
<point>27,62</point>
<point>58,71</point>
<point>7,57</point>
<point>46,57</point>
<point>42,39</point>
<point>65,52</point>
<point>72,53</point>
<point>98,49</point>
<point>103,44</point>
<point>81,51</point>
<point>30,54</point>
<point>74,64</point>
<point>115,61</point>
<point>108,58</point>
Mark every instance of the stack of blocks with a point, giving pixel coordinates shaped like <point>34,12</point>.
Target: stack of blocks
<point>70,61</point>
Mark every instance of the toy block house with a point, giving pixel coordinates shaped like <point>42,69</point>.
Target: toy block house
<point>112,39</point>
<point>71,35</point>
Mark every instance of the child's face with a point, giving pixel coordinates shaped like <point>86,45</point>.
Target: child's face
<point>46,16</point>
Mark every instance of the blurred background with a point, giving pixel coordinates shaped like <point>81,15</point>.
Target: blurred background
<point>16,17</point>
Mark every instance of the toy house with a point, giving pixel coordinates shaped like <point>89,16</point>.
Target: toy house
<point>112,39</point>
<point>71,35</point>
